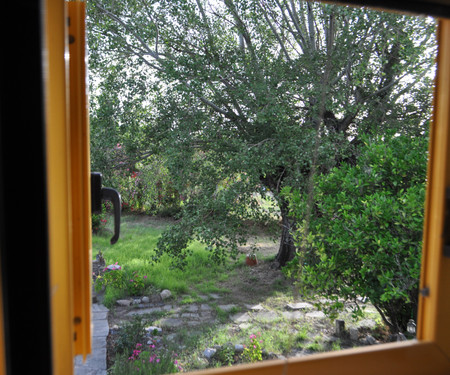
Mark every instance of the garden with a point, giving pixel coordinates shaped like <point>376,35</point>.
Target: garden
<point>216,314</point>
<point>271,158</point>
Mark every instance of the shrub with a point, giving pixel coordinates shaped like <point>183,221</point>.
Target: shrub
<point>145,359</point>
<point>130,282</point>
<point>253,351</point>
<point>365,234</point>
<point>99,220</point>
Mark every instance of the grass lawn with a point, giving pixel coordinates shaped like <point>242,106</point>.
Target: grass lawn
<point>134,251</point>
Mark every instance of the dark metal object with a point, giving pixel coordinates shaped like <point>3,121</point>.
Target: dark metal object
<point>99,193</point>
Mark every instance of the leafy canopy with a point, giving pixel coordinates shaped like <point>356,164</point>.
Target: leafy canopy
<point>245,97</point>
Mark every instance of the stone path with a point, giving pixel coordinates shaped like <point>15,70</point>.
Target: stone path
<point>176,315</point>
<point>95,363</point>
<point>206,312</point>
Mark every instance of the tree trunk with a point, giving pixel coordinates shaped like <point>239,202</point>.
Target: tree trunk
<point>287,249</point>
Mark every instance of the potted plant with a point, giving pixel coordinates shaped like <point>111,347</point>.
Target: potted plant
<point>251,260</point>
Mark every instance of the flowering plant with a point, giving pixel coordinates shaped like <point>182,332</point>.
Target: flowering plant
<point>99,220</point>
<point>135,283</point>
<point>149,361</point>
<point>253,351</point>
<point>112,277</point>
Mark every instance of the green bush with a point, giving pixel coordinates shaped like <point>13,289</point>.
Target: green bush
<point>147,188</point>
<point>365,232</point>
<point>128,282</point>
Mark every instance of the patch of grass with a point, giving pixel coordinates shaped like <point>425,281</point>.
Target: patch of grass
<point>135,249</point>
<point>316,345</point>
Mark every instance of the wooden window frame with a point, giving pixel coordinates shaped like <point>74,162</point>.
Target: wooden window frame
<point>429,354</point>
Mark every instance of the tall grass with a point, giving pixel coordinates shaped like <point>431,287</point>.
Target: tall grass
<point>135,249</point>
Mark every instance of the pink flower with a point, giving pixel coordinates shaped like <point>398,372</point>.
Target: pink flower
<point>145,276</point>
<point>157,360</point>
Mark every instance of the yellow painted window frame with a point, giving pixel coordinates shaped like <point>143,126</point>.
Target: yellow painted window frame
<point>70,260</point>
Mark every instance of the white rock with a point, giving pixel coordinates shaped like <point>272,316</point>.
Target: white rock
<point>152,329</point>
<point>238,348</point>
<point>209,352</point>
<point>145,300</point>
<point>165,294</point>
<point>315,314</point>
<point>300,306</point>
<point>123,302</point>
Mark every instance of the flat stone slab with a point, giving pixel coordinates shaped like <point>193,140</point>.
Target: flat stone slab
<point>240,317</point>
<point>100,328</point>
<point>366,323</point>
<point>192,308</point>
<point>99,315</point>
<point>205,307</point>
<point>227,308</point>
<point>315,314</point>
<point>190,315</point>
<point>99,308</point>
<point>300,306</point>
<point>254,307</point>
<point>171,322</point>
<point>214,296</point>
<point>267,316</point>
<point>96,360</point>
<point>89,371</point>
<point>149,310</point>
<point>292,315</point>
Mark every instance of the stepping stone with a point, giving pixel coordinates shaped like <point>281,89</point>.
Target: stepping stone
<point>254,307</point>
<point>192,308</point>
<point>292,315</point>
<point>149,310</point>
<point>152,329</point>
<point>367,323</point>
<point>99,308</point>
<point>268,316</point>
<point>240,318</point>
<point>300,306</point>
<point>190,315</point>
<point>171,322</point>
<point>167,307</point>
<point>227,308</point>
<point>205,307</point>
<point>99,315</point>
<point>315,314</point>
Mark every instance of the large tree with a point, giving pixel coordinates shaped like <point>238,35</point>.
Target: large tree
<point>250,96</point>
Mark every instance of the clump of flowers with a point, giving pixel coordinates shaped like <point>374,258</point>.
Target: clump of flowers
<point>253,351</point>
<point>99,221</point>
<point>150,361</point>
<point>112,277</point>
<point>116,277</point>
<point>136,283</point>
